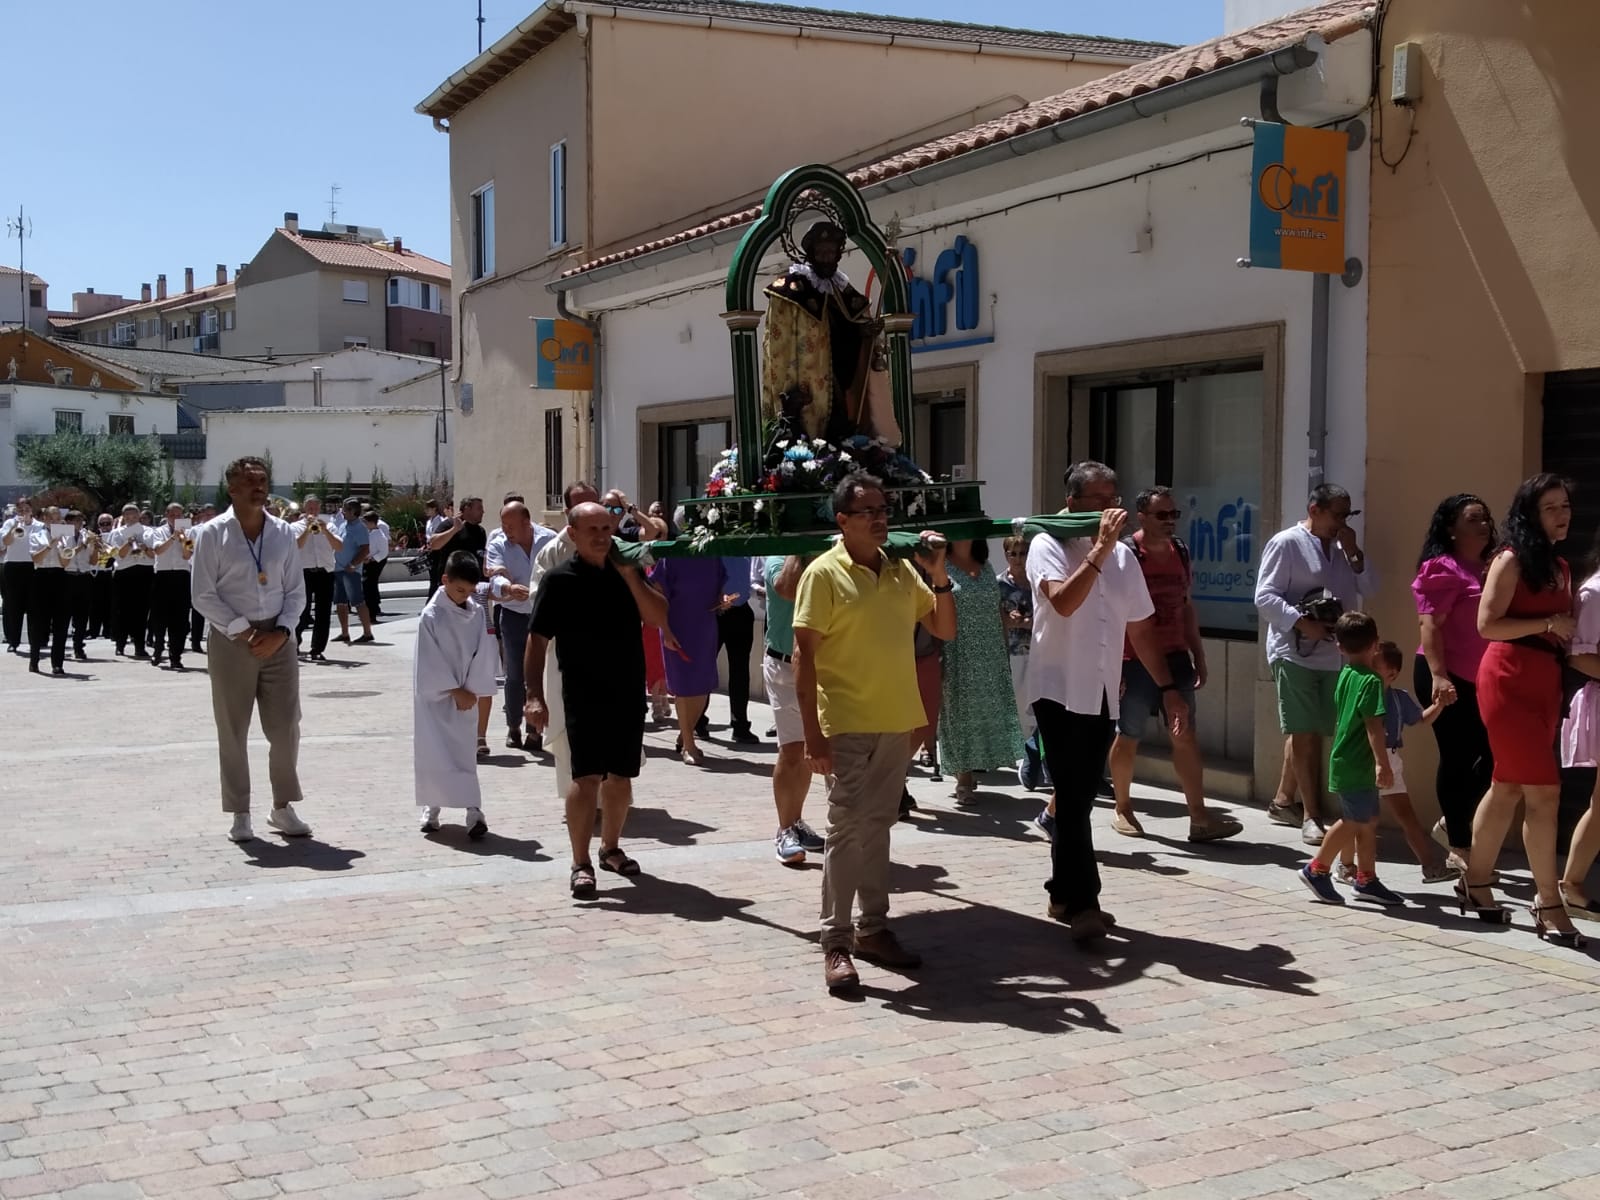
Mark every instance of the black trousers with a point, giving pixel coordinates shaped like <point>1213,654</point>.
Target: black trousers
<point>102,622</point>
<point>1075,747</point>
<point>197,629</point>
<point>169,613</point>
<point>1466,763</point>
<point>319,609</point>
<point>48,616</point>
<point>16,584</point>
<point>369,585</point>
<point>736,632</point>
<point>80,596</point>
<point>132,586</point>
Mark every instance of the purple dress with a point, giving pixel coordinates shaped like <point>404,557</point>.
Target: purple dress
<point>693,587</point>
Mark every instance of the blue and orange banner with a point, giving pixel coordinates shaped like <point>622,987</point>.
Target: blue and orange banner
<point>566,356</point>
<point>1298,198</point>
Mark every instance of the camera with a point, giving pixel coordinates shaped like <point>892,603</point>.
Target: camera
<point>1320,605</point>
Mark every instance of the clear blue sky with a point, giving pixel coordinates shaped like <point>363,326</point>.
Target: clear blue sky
<point>157,138</point>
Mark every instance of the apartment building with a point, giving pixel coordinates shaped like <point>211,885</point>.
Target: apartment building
<point>305,292</point>
<point>24,300</point>
<point>569,139</point>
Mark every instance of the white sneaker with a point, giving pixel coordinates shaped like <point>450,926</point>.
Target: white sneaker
<point>1344,874</point>
<point>1311,832</point>
<point>430,821</point>
<point>241,831</point>
<point>286,822</point>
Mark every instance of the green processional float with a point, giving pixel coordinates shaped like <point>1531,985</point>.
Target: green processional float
<point>822,389</point>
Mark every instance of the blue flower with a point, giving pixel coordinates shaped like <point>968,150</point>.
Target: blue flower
<point>797,454</point>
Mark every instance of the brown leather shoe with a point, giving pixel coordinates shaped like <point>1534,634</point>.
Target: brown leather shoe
<point>838,972</point>
<point>884,949</point>
<point>1058,912</point>
<point>1088,926</point>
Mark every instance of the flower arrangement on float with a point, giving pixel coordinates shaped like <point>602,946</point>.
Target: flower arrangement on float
<point>793,494</point>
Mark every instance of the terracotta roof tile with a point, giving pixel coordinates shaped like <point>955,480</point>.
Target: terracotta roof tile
<point>906,27</point>
<point>363,256</point>
<point>1333,20</point>
<point>552,19</point>
<point>173,302</point>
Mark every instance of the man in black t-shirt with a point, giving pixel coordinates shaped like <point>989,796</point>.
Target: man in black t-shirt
<point>591,607</point>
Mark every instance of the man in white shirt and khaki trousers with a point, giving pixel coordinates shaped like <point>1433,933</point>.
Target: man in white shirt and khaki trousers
<point>249,586</point>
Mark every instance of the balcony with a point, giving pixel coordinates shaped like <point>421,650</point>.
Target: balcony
<point>206,343</point>
<point>124,337</point>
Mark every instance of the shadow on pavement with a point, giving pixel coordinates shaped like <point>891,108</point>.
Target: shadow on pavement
<point>658,825</point>
<point>269,852</point>
<point>989,814</point>
<point>647,895</point>
<point>986,964</point>
<point>492,845</point>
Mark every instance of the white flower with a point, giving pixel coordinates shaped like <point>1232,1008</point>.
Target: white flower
<point>783,445</point>
<point>844,456</point>
<point>760,505</point>
<point>810,464</point>
<point>713,515</point>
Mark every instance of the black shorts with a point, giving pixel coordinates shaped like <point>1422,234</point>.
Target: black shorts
<point>606,738</point>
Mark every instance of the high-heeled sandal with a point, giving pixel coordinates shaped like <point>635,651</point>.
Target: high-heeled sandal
<point>1579,905</point>
<point>1570,938</point>
<point>1489,914</point>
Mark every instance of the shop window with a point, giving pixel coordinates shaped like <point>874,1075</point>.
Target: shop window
<point>688,452</point>
<point>1197,430</point>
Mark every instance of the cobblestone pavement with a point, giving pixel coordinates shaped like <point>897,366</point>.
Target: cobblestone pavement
<point>373,1013</point>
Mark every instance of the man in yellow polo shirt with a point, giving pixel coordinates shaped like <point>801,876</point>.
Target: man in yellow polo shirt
<point>856,681</point>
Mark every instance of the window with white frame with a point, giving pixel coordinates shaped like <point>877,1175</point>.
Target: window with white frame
<point>414,293</point>
<point>228,318</point>
<point>68,421</point>
<point>355,343</point>
<point>208,322</point>
<point>483,231</point>
<point>125,334</point>
<point>558,195</point>
<point>355,291</point>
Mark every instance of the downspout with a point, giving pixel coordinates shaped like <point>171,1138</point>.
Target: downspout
<point>596,425</point>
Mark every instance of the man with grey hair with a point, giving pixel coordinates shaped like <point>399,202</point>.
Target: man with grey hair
<point>1309,574</point>
<point>317,543</point>
<point>1088,596</point>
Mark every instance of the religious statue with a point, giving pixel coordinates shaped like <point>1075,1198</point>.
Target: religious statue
<point>11,368</point>
<point>820,351</point>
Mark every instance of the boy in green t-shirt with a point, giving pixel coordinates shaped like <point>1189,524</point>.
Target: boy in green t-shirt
<point>1358,766</point>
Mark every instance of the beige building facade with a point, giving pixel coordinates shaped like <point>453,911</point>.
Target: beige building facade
<point>568,140</point>
<point>1484,348</point>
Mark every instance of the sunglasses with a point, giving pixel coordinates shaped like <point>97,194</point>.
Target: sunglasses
<point>867,512</point>
<point>1167,514</point>
<point>616,510</point>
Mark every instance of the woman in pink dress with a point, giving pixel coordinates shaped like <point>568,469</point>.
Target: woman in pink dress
<point>1526,615</point>
<point>1580,747</point>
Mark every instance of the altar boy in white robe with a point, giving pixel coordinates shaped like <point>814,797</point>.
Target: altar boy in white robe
<point>456,665</point>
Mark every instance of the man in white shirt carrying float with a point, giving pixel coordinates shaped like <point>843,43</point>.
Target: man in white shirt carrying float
<point>249,586</point>
<point>1087,593</point>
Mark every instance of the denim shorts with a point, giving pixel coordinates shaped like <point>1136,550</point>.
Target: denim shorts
<point>1359,806</point>
<point>1141,698</point>
<point>347,588</point>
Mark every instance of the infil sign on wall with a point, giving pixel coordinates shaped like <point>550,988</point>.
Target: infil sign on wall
<point>952,283</point>
<point>1297,198</point>
<point>566,356</point>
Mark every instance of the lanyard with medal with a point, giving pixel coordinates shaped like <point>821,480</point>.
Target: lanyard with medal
<point>255,555</point>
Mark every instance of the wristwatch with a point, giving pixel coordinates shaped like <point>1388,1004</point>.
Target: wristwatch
<point>942,589</point>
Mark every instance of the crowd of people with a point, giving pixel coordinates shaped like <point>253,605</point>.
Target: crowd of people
<point>1052,666</point>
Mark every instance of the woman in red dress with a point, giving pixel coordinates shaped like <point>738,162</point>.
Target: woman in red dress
<point>1526,615</point>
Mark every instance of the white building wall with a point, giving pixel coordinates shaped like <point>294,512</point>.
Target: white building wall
<point>350,378</point>
<point>307,443</point>
<point>30,408</point>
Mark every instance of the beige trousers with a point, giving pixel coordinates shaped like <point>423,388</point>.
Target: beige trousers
<point>240,684</point>
<point>869,773</point>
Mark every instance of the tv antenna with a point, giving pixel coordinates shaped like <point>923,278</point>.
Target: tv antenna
<point>333,204</point>
<point>21,228</point>
<point>480,26</point>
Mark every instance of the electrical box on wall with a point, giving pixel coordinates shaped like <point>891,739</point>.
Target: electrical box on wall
<point>1405,87</point>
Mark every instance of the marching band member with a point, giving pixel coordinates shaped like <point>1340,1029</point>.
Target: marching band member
<point>81,575</point>
<point>135,574</point>
<point>197,623</point>
<point>17,573</point>
<point>172,548</point>
<point>47,598</point>
<point>102,606</point>
<point>318,544</point>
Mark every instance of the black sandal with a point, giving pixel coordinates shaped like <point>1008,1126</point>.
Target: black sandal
<point>1490,914</point>
<point>615,860</point>
<point>583,883</point>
